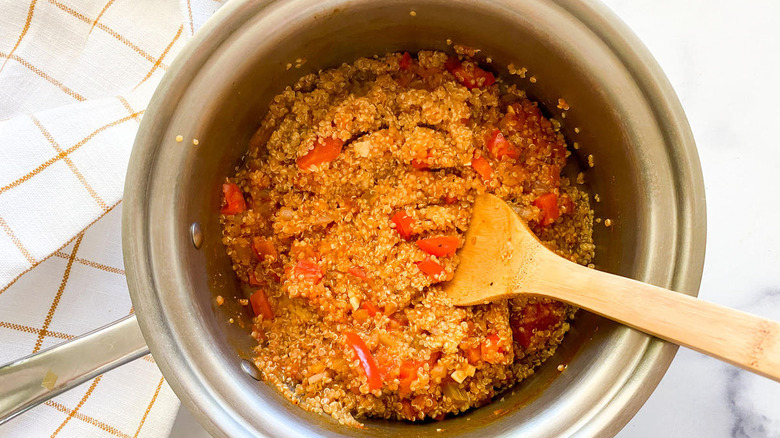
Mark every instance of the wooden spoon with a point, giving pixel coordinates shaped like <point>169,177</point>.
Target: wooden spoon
<point>502,258</point>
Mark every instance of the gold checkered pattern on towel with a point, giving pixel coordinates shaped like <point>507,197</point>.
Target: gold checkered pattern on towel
<point>75,79</point>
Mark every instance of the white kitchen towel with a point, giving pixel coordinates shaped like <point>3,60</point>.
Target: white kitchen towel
<point>75,79</point>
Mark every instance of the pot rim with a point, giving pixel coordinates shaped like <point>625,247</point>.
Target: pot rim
<point>648,75</point>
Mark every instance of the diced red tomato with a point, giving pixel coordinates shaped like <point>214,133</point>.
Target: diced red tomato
<point>263,248</point>
<point>534,317</point>
<point>406,61</point>
<point>500,147</point>
<point>514,120</point>
<point>483,168</point>
<point>439,246</point>
<point>358,272</point>
<point>420,164</point>
<point>548,203</point>
<point>309,270</point>
<point>473,354</point>
<point>403,224</point>
<point>407,375</point>
<point>366,360</point>
<point>431,268</point>
<point>325,150</point>
<point>261,305</point>
<point>473,77</point>
<point>490,350</point>
<point>552,174</point>
<point>234,199</point>
<point>370,308</point>
<point>409,372</point>
<point>449,200</point>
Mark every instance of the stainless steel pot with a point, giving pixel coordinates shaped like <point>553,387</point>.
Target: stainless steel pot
<point>647,175</point>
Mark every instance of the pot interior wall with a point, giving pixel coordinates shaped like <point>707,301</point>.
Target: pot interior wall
<point>225,102</point>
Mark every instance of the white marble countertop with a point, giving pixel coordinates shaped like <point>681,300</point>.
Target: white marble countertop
<point>723,59</point>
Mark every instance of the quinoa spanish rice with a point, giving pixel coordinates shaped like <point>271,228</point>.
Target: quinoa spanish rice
<point>344,218</point>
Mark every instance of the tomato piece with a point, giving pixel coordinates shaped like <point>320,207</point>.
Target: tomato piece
<point>261,305</point>
<point>409,372</point>
<point>524,337</point>
<point>514,120</point>
<point>234,199</point>
<point>407,375</point>
<point>420,164</point>
<point>403,224</point>
<point>535,317</point>
<point>370,308</point>
<point>432,269</point>
<point>491,350</point>
<point>483,168</point>
<point>366,359</point>
<point>450,200</point>
<point>439,246</point>
<point>263,248</point>
<point>473,77</point>
<point>325,150</point>
<point>308,270</point>
<point>500,147</point>
<point>548,203</point>
<point>358,272</point>
<point>406,61</point>
<point>473,354</point>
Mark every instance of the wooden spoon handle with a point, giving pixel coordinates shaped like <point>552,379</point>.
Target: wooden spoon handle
<point>745,340</point>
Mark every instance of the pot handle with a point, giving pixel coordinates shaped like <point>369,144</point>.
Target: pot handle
<point>31,380</point>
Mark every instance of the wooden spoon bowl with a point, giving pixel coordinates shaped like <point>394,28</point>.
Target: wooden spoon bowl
<point>502,258</point>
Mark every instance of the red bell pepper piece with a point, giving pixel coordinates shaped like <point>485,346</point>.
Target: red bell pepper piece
<point>490,350</point>
<point>358,272</point>
<point>473,354</point>
<point>325,150</point>
<point>535,317</point>
<point>439,246</point>
<point>263,248</point>
<point>473,77</point>
<point>234,199</point>
<point>432,269</point>
<point>261,305</point>
<point>406,61</point>
<point>407,375</point>
<point>309,270</point>
<point>370,308</point>
<point>548,203</point>
<point>420,164</point>
<point>500,147</point>
<point>483,168</point>
<point>403,224</point>
<point>409,371</point>
<point>366,360</point>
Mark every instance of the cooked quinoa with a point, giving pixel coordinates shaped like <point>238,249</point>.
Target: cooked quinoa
<point>343,220</point>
